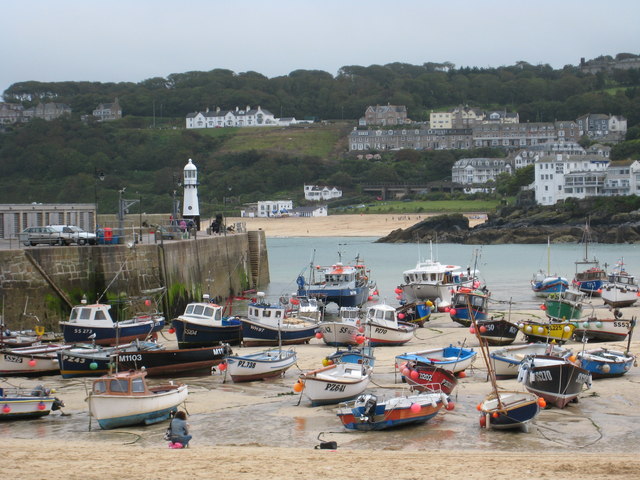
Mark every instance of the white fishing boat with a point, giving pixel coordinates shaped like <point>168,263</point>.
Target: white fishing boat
<point>334,383</point>
<point>382,327</point>
<point>434,281</point>
<point>124,398</point>
<point>31,361</point>
<point>19,403</point>
<point>267,363</point>
<point>506,361</point>
<point>344,329</point>
<point>603,329</point>
<point>621,289</point>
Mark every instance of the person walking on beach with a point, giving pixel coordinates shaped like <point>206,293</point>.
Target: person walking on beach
<point>179,430</point>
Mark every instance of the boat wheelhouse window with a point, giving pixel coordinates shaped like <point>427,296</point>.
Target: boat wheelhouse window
<point>100,387</point>
<point>137,385</point>
<point>74,314</point>
<point>100,315</point>
<point>278,313</point>
<point>388,315</point>
<point>208,312</point>
<point>85,313</point>
<point>119,385</point>
<point>407,278</point>
<point>267,313</point>
<point>189,309</point>
<point>198,309</point>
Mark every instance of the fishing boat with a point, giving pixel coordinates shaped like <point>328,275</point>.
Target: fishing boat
<point>382,327</point>
<point>556,379</point>
<point>88,360</point>
<point>162,362</point>
<point>269,324</point>
<point>534,331</point>
<point>505,362</point>
<point>466,299</point>
<point>434,281</point>
<point>124,398</point>
<point>605,363</point>
<point>34,360</point>
<point>603,329</point>
<point>357,355</point>
<point>334,383</point>
<point>503,409</point>
<point>19,403</point>
<point>563,306</point>
<point>427,377</point>
<point>260,365</point>
<point>455,359</point>
<point>544,283</point>
<point>203,325</point>
<point>590,276</point>
<point>367,412</point>
<point>93,323</point>
<point>418,312</point>
<point>343,330</point>
<point>344,285</point>
<point>621,289</point>
<point>497,331</point>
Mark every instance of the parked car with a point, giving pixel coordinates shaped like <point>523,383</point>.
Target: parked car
<point>76,234</point>
<point>171,233</point>
<point>47,235</point>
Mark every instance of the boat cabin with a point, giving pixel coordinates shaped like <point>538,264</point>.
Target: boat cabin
<point>87,315</point>
<point>623,279</point>
<point>349,315</point>
<point>594,273</point>
<point>204,311</point>
<point>265,313</point>
<point>382,315</point>
<point>123,383</point>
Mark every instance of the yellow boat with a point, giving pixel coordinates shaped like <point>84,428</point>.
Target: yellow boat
<point>559,332</point>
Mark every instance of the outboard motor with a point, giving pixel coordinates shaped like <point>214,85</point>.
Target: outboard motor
<point>57,404</point>
<point>369,408</point>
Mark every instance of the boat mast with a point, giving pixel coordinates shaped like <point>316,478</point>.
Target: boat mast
<point>484,348</point>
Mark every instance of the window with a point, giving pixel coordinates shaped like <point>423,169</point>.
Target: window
<point>119,385</point>
<point>137,385</point>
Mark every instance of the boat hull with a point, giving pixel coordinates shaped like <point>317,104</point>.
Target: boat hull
<point>120,411</point>
<point>557,380</point>
<point>549,285</point>
<point>619,297</point>
<point>335,383</point>
<point>604,363</point>
<point>422,377</point>
<point>31,361</point>
<point>515,410</point>
<point>395,412</point>
<point>258,334</point>
<point>261,365</point>
<point>506,361</point>
<point>547,332</point>
<point>498,332</point>
<point>451,358</point>
<point>169,362</point>
<point>343,297</point>
<point>602,330</point>
<point>194,335</point>
<point>123,332</point>
<point>339,334</point>
<point>381,335</point>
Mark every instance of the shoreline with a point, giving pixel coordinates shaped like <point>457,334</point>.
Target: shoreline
<point>362,225</point>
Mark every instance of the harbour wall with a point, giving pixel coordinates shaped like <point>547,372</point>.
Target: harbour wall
<point>44,282</point>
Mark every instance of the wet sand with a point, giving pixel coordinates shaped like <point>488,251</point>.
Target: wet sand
<point>265,430</point>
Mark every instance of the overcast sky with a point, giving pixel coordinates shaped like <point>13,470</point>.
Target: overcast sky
<point>132,40</point>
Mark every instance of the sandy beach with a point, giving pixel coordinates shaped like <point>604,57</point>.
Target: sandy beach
<point>369,225</point>
<point>263,430</point>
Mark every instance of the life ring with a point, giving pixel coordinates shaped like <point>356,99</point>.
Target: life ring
<point>39,330</point>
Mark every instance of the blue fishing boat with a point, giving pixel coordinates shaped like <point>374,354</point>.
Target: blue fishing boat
<point>362,355</point>
<point>203,325</point>
<point>467,302</point>
<point>605,363</point>
<point>344,285</point>
<point>455,359</point>
<point>417,312</point>
<point>93,324</point>
<point>590,276</point>
<point>543,284</point>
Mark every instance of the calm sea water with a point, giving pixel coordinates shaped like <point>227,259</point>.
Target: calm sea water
<point>506,269</point>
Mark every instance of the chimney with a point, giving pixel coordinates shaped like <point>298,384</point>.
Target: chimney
<point>248,108</point>
<point>217,109</point>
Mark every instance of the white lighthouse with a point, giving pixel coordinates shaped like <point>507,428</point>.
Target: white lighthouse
<point>190,208</point>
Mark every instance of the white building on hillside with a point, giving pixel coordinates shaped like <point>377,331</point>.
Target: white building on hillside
<point>316,193</point>
<point>318,211</point>
<point>562,176</point>
<point>249,117</point>
<point>469,171</point>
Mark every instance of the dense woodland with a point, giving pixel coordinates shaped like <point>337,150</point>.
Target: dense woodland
<point>58,161</point>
